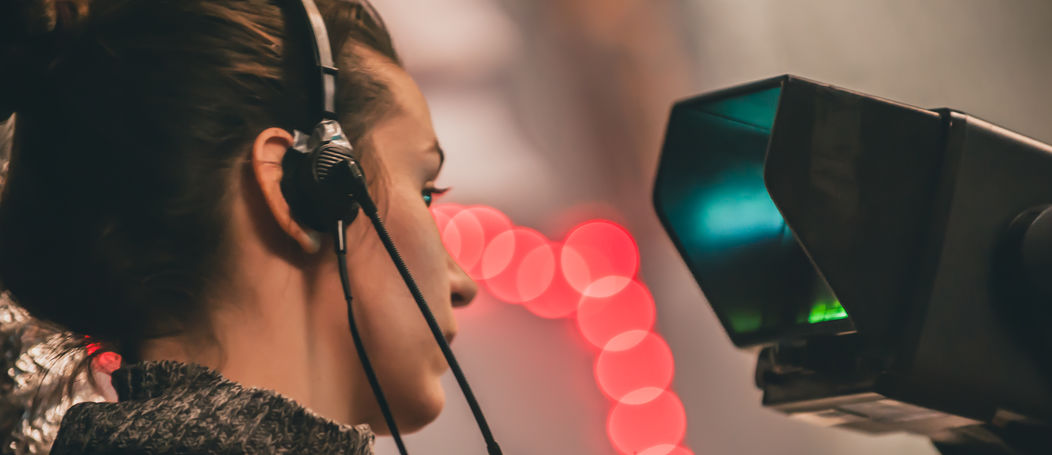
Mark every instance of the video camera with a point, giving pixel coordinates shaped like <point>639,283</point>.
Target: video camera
<point>895,263</point>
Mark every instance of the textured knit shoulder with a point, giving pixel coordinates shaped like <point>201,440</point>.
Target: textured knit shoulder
<point>175,408</point>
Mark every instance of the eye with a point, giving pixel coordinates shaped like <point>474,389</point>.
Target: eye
<point>430,194</point>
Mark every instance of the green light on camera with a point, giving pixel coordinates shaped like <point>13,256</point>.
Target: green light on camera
<point>826,311</point>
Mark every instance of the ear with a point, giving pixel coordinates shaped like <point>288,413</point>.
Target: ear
<point>268,150</point>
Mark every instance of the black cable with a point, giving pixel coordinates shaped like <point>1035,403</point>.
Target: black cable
<point>341,259</point>
<point>370,210</point>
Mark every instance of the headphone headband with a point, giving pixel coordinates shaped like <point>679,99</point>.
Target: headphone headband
<point>327,70</point>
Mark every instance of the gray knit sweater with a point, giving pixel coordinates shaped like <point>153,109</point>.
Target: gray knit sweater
<point>175,408</point>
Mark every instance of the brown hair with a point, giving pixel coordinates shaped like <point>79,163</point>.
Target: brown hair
<point>131,126</point>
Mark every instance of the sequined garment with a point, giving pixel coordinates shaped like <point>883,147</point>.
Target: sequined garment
<point>169,407</point>
<point>35,371</point>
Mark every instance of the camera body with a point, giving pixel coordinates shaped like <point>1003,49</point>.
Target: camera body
<point>893,261</point>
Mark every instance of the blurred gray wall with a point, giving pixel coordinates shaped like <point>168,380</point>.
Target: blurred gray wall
<point>553,111</point>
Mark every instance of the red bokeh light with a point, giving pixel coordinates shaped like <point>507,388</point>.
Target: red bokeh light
<point>633,428</point>
<point>560,299</point>
<point>602,318</point>
<point>515,258</point>
<point>498,254</point>
<point>635,367</point>
<point>667,449</point>
<point>466,238</point>
<point>596,250</point>
<point>536,270</point>
<point>466,231</point>
<point>492,223</point>
<point>593,274</point>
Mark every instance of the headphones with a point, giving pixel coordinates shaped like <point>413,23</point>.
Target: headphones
<point>326,188</point>
<point>322,180</point>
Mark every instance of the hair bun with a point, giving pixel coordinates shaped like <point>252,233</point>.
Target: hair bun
<point>30,33</point>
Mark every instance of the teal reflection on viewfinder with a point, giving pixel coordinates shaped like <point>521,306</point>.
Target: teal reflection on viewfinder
<point>711,197</point>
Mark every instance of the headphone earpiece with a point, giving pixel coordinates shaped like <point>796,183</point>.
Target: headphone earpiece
<point>322,180</point>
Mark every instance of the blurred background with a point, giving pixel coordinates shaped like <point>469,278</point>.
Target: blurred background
<point>553,112</point>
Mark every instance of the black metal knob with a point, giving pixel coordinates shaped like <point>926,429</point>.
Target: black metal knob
<point>1032,235</point>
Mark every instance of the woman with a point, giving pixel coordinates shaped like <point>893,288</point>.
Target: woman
<point>143,208</point>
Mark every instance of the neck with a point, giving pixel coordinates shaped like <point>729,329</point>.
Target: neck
<point>268,334</point>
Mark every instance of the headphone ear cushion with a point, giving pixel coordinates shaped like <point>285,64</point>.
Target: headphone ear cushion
<point>314,204</point>
<point>297,184</point>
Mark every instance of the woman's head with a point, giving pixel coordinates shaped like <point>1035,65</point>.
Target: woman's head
<point>144,187</point>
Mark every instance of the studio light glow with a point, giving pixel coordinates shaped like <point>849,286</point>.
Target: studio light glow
<point>591,276</point>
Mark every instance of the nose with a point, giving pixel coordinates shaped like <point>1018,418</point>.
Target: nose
<point>461,287</point>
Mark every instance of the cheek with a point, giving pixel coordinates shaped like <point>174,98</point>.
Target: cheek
<point>410,353</point>
<point>413,231</point>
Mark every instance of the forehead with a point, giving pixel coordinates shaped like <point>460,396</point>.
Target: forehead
<point>404,131</point>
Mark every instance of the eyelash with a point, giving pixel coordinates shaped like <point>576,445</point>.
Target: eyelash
<point>430,194</point>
